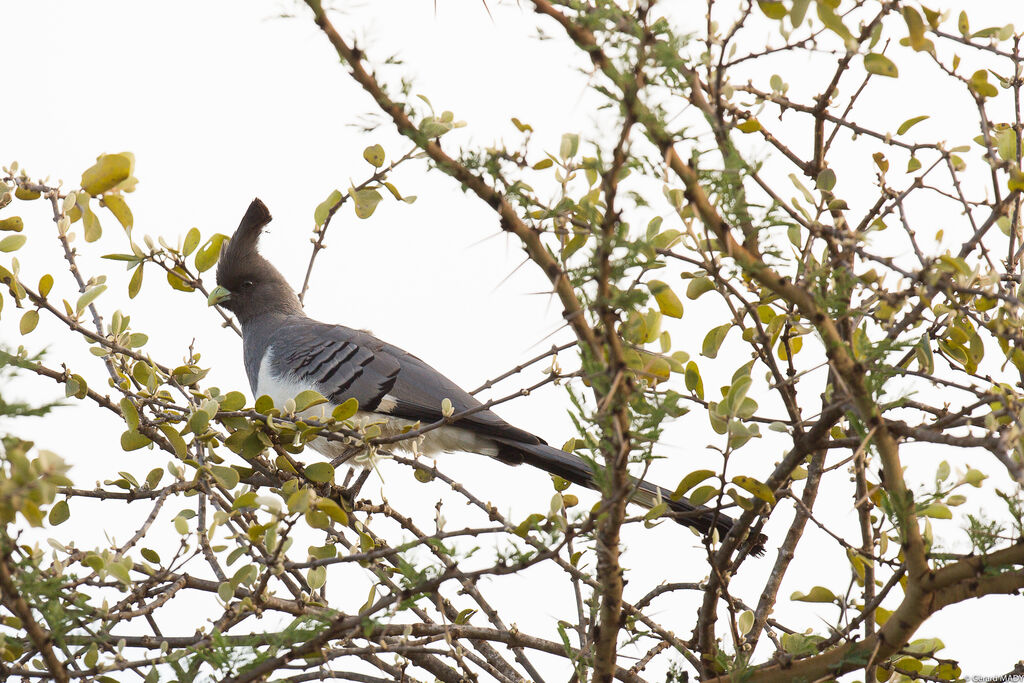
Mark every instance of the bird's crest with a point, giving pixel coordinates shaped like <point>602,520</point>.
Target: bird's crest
<point>247,235</point>
<point>240,251</point>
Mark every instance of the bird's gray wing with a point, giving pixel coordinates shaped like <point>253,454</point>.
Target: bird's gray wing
<point>346,363</point>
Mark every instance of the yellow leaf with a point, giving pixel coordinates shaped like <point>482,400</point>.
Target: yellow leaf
<point>909,123</point>
<point>668,302</point>
<point>29,321</point>
<point>755,487</point>
<point>751,125</point>
<point>117,206</point>
<point>108,171</point>
<point>816,594</point>
<point>880,64</point>
<point>365,202</point>
<point>375,155</point>
<point>12,224</point>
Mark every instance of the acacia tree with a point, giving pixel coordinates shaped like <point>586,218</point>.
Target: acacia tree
<point>855,330</point>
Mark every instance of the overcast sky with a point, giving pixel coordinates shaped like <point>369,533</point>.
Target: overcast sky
<point>224,101</point>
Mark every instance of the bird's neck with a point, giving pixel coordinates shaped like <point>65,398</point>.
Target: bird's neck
<point>267,320</point>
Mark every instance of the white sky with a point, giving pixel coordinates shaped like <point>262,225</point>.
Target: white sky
<point>221,102</point>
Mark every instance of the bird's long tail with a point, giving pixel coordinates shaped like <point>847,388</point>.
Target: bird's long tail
<point>576,470</point>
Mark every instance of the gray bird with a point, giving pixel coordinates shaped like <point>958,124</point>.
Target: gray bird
<point>286,353</point>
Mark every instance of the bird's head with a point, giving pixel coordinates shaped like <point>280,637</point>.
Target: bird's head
<point>247,284</point>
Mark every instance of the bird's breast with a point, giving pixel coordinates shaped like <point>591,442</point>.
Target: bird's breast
<point>445,439</point>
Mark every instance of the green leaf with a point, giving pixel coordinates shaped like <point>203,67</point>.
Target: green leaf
<point>834,23</point>
<point>29,321</point>
<point>90,221</point>
<point>826,180</point>
<point>323,209</point>
<point>316,577</point>
<point>703,494</point>
<point>45,285</point>
<point>801,644</point>
<point>135,284</point>
<point>543,163</point>
<point>915,25</point>
<point>1006,144</point>
<point>937,511</point>
<point>133,440</point>
<point>108,171</point>
<point>246,500</point>
<point>980,85</point>
<point>464,616</point>
<point>365,202</point>
<point>264,404</point>
<point>910,123</point>
<point>524,527</point>
<point>880,161</point>
<point>178,279</point>
<point>693,380</point>
<point>738,392</point>
<point>333,510</point>
<point>924,646</point>
<point>235,400</point>
<point>12,224</point>
<point>799,11</point>
<point>876,63</point>
<point>745,622</point>
<point>320,472</point>
<point>227,477</point>
<point>88,297</point>
<point>174,438</point>
<point>975,477</point>
<point>59,513</point>
<point>575,244</point>
<point>689,481</point>
<point>153,479</point>
<point>925,359</point>
<point>668,302</point>
<point>698,286</point>
<point>816,594</point>
<point>570,145</point>
<point>12,243</point>
<point>308,399</point>
<point>713,340</point>
<point>76,386</point>
<point>198,421</point>
<point>1016,181</point>
<point>345,410</point>
<point>773,9</point>
<point>130,412</point>
<point>375,155</point>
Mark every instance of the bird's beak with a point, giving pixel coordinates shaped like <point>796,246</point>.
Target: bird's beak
<point>217,295</point>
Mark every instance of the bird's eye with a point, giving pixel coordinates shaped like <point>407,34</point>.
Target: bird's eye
<point>248,284</point>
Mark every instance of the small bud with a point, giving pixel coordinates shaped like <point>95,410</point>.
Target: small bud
<point>447,409</point>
